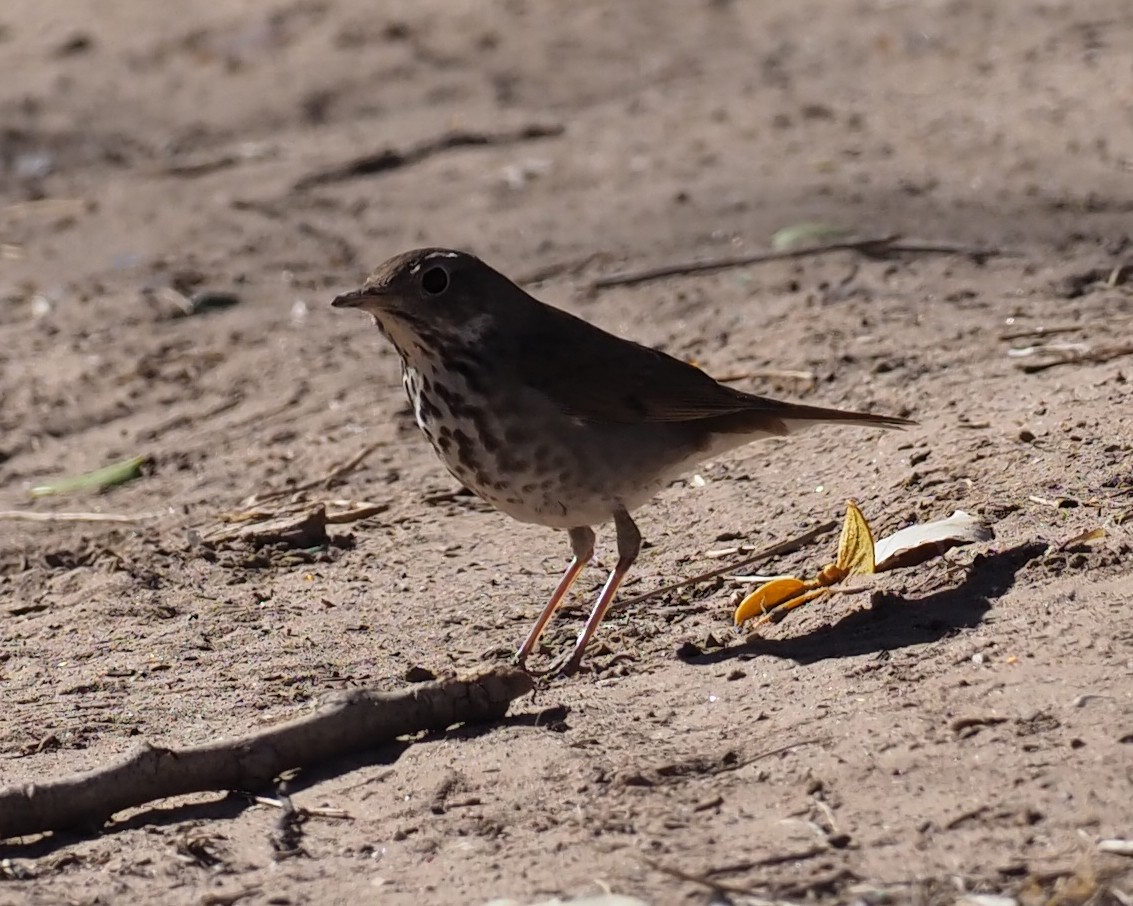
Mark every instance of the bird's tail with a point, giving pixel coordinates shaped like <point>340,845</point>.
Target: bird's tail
<point>800,416</point>
<point>772,417</point>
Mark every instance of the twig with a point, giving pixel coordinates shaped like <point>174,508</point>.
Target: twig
<point>47,207</point>
<point>874,247</point>
<point>966,816</point>
<point>807,377</point>
<point>392,159</point>
<point>203,165</point>
<point>770,861</point>
<point>678,771</point>
<point>24,516</point>
<point>815,884</point>
<point>339,471</point>
<point>558,268</point>
<point>720,887</point>
<point>187,420</point>
<point>287,838</point>
<point>349,721</point>
<point>354,511</point>
<point>221,898</point>
<point>1041,331</point>
<point>782,547</point>
<point>1056,504</point>
<point>723,887</point>
<point>1052,354</point>
<point>314,812</point>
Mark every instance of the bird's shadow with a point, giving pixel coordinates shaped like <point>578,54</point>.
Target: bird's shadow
<point>895,621</point>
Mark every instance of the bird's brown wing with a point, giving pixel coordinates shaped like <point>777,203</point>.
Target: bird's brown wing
<point>597,377</point>
<point>600,378</point>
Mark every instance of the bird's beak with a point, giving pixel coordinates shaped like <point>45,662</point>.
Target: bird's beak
<point>353,299</point>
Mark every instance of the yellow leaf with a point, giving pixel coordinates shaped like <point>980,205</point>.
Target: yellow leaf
<point>855,548</point>
<point>768,596</point>
<point>775,599</point>
<point>831,574</point>
<point>774,616</point>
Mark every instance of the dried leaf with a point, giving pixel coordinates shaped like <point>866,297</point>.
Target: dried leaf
<point>775,599</point>
<point>918,543</point>
<point>1094,534</point>
<point>769,596</point>
<point>300,529</point>
<point>855,547</point>
<point>859,555</point>
<point>774,616</point>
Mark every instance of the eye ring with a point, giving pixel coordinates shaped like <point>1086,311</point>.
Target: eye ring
<point>434,281</point>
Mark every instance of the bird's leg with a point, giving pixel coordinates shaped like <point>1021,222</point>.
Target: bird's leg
<point>582,544</point>
<point>629,545</point>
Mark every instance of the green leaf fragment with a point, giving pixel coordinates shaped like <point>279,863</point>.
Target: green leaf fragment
<point>107,477</point>
<point>806,233</point>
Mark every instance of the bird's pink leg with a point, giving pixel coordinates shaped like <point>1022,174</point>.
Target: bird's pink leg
<point>582,544</point>
<point>629,545</point>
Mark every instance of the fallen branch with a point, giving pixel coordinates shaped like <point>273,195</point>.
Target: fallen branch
<point>346,722</point>
<point>873,247</point>
<point>392,159</point>
<point>781,547</point>
<point>24,516</point>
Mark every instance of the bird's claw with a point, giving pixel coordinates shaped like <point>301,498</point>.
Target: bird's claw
<point>561,668</point>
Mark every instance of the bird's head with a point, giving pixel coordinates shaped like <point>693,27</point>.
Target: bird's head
<point>430,296</point>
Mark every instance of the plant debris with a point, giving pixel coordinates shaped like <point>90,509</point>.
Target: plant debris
<point>858,554</point>
<point>98,480</point>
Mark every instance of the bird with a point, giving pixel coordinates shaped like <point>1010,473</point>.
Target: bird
<point>549,418</point>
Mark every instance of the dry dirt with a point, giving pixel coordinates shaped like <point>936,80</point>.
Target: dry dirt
<point>967,727</point>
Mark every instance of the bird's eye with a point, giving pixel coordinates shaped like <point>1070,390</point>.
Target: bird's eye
<point>434,281</point>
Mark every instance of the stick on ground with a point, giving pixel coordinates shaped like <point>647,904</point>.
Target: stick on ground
<point>392,158</point>
<point>31,516</point>
<point>346,722</point>
<point>875,247</point>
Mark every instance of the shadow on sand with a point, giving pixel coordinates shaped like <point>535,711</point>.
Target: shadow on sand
<point>895,621</point>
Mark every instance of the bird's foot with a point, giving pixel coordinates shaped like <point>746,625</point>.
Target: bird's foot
<point>568,667</point>
<point>564,667</point>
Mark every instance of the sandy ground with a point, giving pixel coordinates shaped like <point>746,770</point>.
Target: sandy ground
<point>968,727</point>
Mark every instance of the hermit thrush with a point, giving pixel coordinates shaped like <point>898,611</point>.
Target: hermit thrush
<point>550,419</point>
